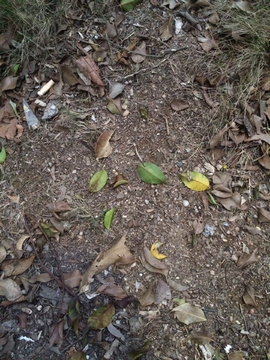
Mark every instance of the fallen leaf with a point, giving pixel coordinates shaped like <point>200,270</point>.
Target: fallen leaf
<point>148,297</point>
<point>72,279</point>
<point>119,180</point>
<point>140,53</point>
<point>136,354</point>
<point>79,355</point>
<point>265,161</point>
<point>98,181</point>
<point>176,286</point>
<point>59,206</point>
<point>110,30</point>
<point>68,76</point>
<point>43,278</point>
<point>115,332</point>
<point>22,320</point>
<point>243,5</point>
<point>113,290</point>
<point>57,224</point>
<point>118,254</point>
<point>247,259</point>
<point>3,253</point>
<point>249,296</point>
<point>172,4</point>
<point>126,301</point>
<point>8,83</point>
<point>200,338</point>
<point>151,173</point>
<point>74,315</point>
<point>263,215</point>
<point>128,5</point>
<point>155,252</point>
<point>195,181</point>
<point>152,264</point>
<point>235,201</point>
<point>166,30</point>
<point>108,218</point>
<point>162,292</point>
<point>101,317</point>
<point>179,105</point>
<point>114,106</point>
<point>3,155</point>
<point>216,139</point>
<point>10,289</point>
<point>89,68</point>
<point>49,230</point>
<point>16,267</point>
<point>198,226</point>
<point>103,148</point>
<point>189,314</point>
<point>57,333</point>
<point>115,89</point>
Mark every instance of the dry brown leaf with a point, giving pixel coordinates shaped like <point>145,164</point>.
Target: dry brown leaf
<point>236,355</point>
<point>247,259</point>
<point>3,253</point>
<point>103,148</point>
<point>200,338</point>
<point>118,254</point>
<point>20,242</point>
<point>43,278</point>
<point>198,226</point>
<point>189,314</point>
<point>10,289</point>
<point>154,264</point>
<point>179,105</point>
<point>16,267</point>
<point>216,139</point>
<point>57,333</point>
<point>166,30</point>
<point>114,106</point>
<point>234,202</point>
<point>68,76</point>
<point>148,297</point>
<point>152,268</point>
<point>72,279</point>
<point>249,296</point>
<point>140,53</point>
<point>89,68</point>
<point>262,137</point>
<point>8,83</point>
<point>57,224</point>
<point>176,286</point>
<point>265,161</point>
<point>113,290</point>
<point>162,292</point>
<point>263,215</point>
<point>59,206</point>
<point>110,30</point>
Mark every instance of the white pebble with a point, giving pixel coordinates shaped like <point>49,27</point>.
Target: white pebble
<point>185,203</point>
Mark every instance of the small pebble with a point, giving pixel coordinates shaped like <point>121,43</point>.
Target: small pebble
<point>185,203</point>
<point>209,230</point>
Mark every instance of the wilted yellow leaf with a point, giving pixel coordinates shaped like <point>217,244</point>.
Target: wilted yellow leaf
<point>195,180</point>
<point>155,252</point>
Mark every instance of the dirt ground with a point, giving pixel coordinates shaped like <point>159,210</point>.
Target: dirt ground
<point>55,163</point>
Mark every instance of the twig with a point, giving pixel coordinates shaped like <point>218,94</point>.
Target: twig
<point>62,284</point>
<point>136,151</point>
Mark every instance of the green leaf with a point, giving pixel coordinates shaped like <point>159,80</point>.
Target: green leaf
<point>101,317</point>
<point>3,155</point>
<point>14,69</point>
<point>128,5</point>
<point>195,181</point>
<point>108,218</point>
<point>151,173</point>
<point>14,108</point>
<point>136,354</point>
<point>49,231</point>
<point>98,181</point>
<point>74,315</point>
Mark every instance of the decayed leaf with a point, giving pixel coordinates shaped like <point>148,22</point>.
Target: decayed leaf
<point>103,148</point>
<point>43,278</point>
<point>176,286</point>
<point>79,355</point>
<point>108,218</point>
<point>114,106</point>
<point>126,301</point>
<point>3,253</point>
<point>16,267</point>
<point>57,224</point>
<point>128,5</point>
<point>179,105</point>
<point>119,180</point>
<point>57,333</point>
<point>119,254</point>
<point>151,173</point>
<point>140,53</point>
<point>73,279</point>
<point>189,314</point>
<point>49,230</point>
<point>8,83</point>
<point>249,296</point>
<point>152,264</point>
<point>172,4</point>
<point>265,161</point>
<point>216,139</point>
<point>110,30</point>
<point>195,181</point>
<point>68,76</point>
<point>98,181</point>
<point>155,252</point>
<point>244,6</point>
<point>247,259</point>
<point>113,290</point>
<point>74,315</point>
<point>235,201</point>
<point>115,89</point>
<point>136,354</point>
<point>236,355</point>
<point>59,206</point>
<point>148,297</point>
<point>198,226</point>
<point>200,338</point>
<point>89,68</point>
<point>115,332</point>
<point>162,292</point>
<point>20,242</point>
<point>3,155</point>
<point>10,289</point>
<point>101,317</point>
<point>263,215</point>
<point>166,30</point>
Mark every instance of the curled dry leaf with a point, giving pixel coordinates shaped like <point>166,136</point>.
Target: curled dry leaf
<point>198,226</point>
<point>16,267</point>
<point>166,30</point>
<point>20,242</point>
<point>3,254</point>
<point>162,292</point>
<point>189,314</point>
<point>200,338</point>
<point>155,252</point>
<point>249,296</point>
<point>247,259</point>
<point>8,83</point>
<point>265,161</point>
<point>10,289</point>
<point>43,278</point>
<point>148,297</point>
<point>152,264</point>
<point>176,286</point>
<point>263,215</point>
<point>113,290</point>
<point>140,53</point>
<point>118,254</point>
<point>59,206</point>
<point>179,105</point>
<point>103,148</point>
<point>119,180</point>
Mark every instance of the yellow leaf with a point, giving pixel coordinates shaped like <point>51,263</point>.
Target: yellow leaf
<point>155,252</point>
<point>195,181</point>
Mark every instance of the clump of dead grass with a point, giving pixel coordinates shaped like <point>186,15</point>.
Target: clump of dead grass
<point>243,54</point>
